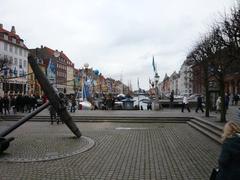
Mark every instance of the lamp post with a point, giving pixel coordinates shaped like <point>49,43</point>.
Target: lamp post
<point>156,104</point>
<point>56,54</point>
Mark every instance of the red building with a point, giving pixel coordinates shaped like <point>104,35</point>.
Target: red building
<point>56,66</point>
<point>197,79</point>
<point>165,87</point>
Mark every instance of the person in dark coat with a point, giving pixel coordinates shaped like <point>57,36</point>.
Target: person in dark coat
<point>19,102</point>
<point>53,114</point>
<point>226,100</point>
<point>109,103</point>
<point>33,102</point>
<point>6,104</point>
<point>229,159</point>
<point>171,98</point>
<point>13,103</point>
<point>73,104</point>
<point>199,104</point>
<point>27,100</point>
<point>236,99</point>
<point>1,105</point>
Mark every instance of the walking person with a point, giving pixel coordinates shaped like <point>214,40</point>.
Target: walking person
<point>185,103</point>
<point>226,100</point>
<point>199,104</point>
<point>13,104</point>
<point>18,102</point>
<point>236,98</point>
<point>73,104</point>
<point>33,102</point>
<point>6,104</point>
<point>1,105</point>
<point>229,159</point>
<point>109,103</point>
<point>149,106</point>
<point>28,103</point>
<point>171,99</point>
<point>232,98</point>
<point>53,114</point>
<point>218,104</point>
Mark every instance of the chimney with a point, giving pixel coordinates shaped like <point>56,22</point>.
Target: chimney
<point>13,30</point>
<point>1,25</point>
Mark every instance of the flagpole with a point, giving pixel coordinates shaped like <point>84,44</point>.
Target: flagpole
<point>138,94</point>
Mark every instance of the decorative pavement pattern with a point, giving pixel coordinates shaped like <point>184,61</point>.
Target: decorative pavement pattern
<point>161,151</point>
<point>45,148</point>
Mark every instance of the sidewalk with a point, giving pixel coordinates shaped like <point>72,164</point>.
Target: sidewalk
<point>134,151</point>
<point>166,112</point>
<point>165,151</point>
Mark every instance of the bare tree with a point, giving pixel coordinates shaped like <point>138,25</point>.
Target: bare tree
<point>201,55</point>
<point>226,41</point>
<point>218,54</point>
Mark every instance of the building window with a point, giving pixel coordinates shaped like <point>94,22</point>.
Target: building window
<point>24,63</point>
<point>13,40</point>
<point>5,46</point>
<point>5,37</point>
<point>15,61</point>
<point>20,63</point>
<point>16,50</point>
<point>20,51</point>
<point>11,60</point>
<point>11,48</point>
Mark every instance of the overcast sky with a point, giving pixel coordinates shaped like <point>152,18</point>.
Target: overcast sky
<point>117,37</point>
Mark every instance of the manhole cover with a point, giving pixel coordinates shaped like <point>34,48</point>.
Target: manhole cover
<point>31,149</point>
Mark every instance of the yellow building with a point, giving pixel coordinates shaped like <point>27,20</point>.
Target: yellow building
<point>33,85</point>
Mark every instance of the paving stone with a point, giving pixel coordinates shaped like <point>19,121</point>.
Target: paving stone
<point>141,151</point>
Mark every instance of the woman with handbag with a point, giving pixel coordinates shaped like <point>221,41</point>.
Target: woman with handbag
<point>229,159</point>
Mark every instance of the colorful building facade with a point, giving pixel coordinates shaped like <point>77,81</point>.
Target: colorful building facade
<point>14,72</point>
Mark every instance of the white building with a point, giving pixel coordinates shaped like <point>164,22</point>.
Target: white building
<point>70,77</point>
<point>12,48</point>
<point>174,83</point>
<point>185,79</point>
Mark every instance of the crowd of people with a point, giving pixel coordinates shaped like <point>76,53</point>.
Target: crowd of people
<point>234,98</point>
<point>14,103</point>
<point>217,106</point>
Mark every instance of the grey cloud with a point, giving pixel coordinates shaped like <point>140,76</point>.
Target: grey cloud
<point>115,36</point>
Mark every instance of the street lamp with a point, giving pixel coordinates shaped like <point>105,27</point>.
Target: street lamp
<point>56,54</point>
<point>156,105</point>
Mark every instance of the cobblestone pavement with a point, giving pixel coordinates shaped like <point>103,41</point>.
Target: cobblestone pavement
<point>165,151</point>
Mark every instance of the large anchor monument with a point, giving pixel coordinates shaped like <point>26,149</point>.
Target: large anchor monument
<point>54,100</point>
